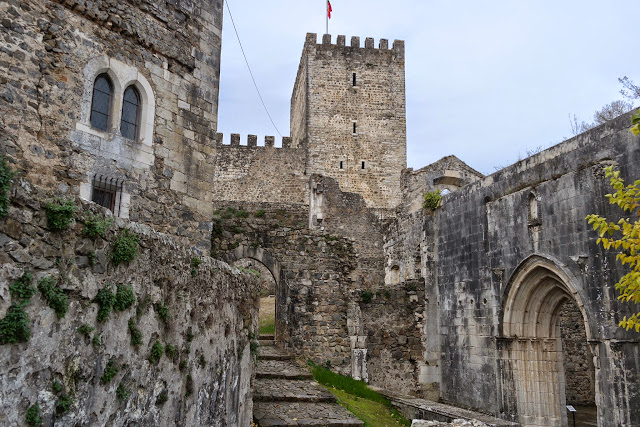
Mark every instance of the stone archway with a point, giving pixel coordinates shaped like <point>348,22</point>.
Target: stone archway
<point>532,355</point>
<point>282,290</point>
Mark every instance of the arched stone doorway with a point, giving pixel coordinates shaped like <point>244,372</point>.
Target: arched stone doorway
<point>263,263</point>
<point>540,304</point>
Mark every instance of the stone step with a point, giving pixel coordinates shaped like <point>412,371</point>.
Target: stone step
<point>267,337</point>
<point>272,414</point>
<point>272,390</point>
<point>280,369</point>
<point>272,353</point>
<point>266,343</point>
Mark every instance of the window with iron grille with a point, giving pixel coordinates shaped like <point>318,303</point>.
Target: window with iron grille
<point>101,102</point>
<point>107,192</point>
<point>130,113</point>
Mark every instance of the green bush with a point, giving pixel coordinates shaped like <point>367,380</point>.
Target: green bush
<point>64,404</point>
<point>195,264</point>
<point>259,214</point>
<point>56,387</point>
<point>6,176</point>
<point>125,247</point>
<point>162,397</point>
<point>105,299</point>
<point>60,214</point>
<point>242,214</point>
<point>96,341</point>
<point>85,330</point>
<point>171,351</point>
<point>156,352</point>
<point>54,296</point>
<point>366,296</point>
<point>21,289</point>
<point>96,225</point>
<point>109,372</point>
<point>124,298</point>
<point>122,393</point>
<point>432,200</point>
<point>189,386</point>
<point>15,327</point>
<point>32,417</point>
<point>163,311</point>
<point>136,334</point>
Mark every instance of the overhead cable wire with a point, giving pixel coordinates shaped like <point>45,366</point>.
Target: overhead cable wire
<point>249,68</point>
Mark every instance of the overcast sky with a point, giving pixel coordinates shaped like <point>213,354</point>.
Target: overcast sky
<point>485,80</point>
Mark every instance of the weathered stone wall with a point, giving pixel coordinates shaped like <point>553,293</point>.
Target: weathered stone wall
<point>51,54</point>
<point>259,173</point>
<point>324,116</point>
<point>211,312</point>
<point>488,229</point>
<point>578,362</point>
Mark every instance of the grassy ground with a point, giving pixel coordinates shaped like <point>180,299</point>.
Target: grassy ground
<point>371,407</point>
<point>267,315</point>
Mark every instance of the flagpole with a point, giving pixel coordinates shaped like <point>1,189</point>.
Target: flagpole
<point>326,14</point>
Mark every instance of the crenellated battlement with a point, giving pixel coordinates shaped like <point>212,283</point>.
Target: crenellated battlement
<point>369,44</point>
<point>252,141</point>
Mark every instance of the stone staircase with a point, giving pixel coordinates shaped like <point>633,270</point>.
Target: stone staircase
<point>286,395</point>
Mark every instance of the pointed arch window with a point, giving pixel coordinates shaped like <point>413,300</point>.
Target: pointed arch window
<point>130,113</point>
<point>101,102</point>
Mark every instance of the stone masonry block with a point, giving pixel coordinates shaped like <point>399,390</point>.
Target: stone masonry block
<point>355,41</point>
<point>341,41</point>
<point>252,140</point>
<point>368,42</point>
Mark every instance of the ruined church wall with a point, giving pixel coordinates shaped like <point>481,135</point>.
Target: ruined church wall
<point>203,380</point>
<point>484,233</point>
<point>52,52</point>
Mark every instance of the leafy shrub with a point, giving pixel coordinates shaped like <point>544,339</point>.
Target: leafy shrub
<point>242,214</point>
<point>15,327</point>
<point>156,352</point>
<point>163,311</point>
<point>56,387</point>
<point>22,289</point>
<point>366,296</point>
<point>60,214</point>
<point>136,334</point>
<point>96,341</point>
<point>183,365</point>
<point>228,213</point>
<point>6,175</point>
<point>109,372</point>
<point>64,404</point>
<point>125,247</point>
<point>259,214</point>
<point>122,393</point>
<point>96,225</point>
<point>32,417</point>
<point>162,397</point>
<point>54,296</point>
<point>85,330</point>
<point>105,299</point>
<point>171,351</point>
<point>201,361</point>
<point>195,263</point>
<point>432,200</point>
<point>124,298</point>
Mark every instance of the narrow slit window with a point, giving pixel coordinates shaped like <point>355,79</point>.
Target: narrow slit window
<point>362,165</point>
<point>354,79</point>
<point>354,127</point>
<point>101,102</point>
<point>130,113</point>
<point>341,166</point>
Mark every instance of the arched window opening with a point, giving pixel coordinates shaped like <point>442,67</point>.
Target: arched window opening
<point>130,113</point>
<point>101,102</point>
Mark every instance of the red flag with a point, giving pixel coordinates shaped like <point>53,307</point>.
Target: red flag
<point>329,10</point>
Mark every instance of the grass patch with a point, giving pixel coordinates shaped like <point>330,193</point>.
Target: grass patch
<point>15,327</point>
<point>60,214</point>
<point>369,406</point>
<point>54,296</point>
<point>32,417</point>
<point>96,225</point>
<point>125,247</point>
<point>6,176</point>
<point>267,316</point>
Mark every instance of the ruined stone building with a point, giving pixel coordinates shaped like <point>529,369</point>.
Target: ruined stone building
<point>499,301</point>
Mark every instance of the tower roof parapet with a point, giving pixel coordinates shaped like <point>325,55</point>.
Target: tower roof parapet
<point>252,141</point>
<point>369,43</point>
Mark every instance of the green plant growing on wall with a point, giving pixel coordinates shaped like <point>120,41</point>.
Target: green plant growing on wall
<point>85,330</point>
<point>109,372</point>
<point>6,176</point>
<point>156,352</point>
<point>124,298</point>
<point>105,299</point>
<point>171,351</point>
<point>162,397</point>
<point>125,247</point>
<point>259,213</point>
<point>15,327</point>
<point>56,387</point>
<point>21,289</point>
<point>624,237</point>
<point>635,121</point>
<point>432,200</point>
<point>366,296</point>
<point>55,297</point>
<point>163,311</point>
<point>122,393</point>
<point>136,334</point>
<point>195,264</point>
<point>32,417</point>
<point>96,225</point>
<point>64,404</point>
<point>60,214</point>
<point>96,341</point>
<point>189,386</point>
<point>242,214</point>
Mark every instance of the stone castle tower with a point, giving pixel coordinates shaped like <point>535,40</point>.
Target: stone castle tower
<point>348,108</point>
